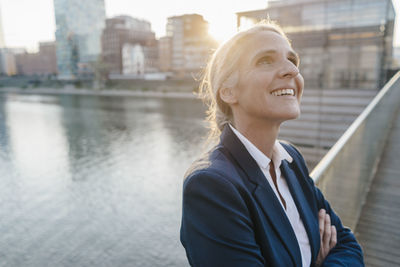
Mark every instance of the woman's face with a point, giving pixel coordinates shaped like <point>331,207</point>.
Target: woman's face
<point>269,84</point>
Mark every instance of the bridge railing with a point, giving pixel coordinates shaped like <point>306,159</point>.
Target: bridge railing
<point>345,173</point>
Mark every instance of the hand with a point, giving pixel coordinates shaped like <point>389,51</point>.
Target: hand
<point>327,234</point>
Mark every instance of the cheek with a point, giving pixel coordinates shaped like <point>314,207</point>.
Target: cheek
<point>262,79</point>
<point>300,85</point>
<point>253,87</point>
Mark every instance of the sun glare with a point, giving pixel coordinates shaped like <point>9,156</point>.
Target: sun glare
<point>221,34</point>
<point>222,28</point>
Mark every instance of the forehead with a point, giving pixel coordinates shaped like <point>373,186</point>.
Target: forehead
<point>266,41</point>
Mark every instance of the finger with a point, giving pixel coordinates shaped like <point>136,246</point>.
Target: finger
<point>327,232</point>
<point>333,237</point>
<point>321,222</point>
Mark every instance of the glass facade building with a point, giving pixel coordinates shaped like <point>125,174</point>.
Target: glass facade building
<point>342,43</point>
<point>79,25</point>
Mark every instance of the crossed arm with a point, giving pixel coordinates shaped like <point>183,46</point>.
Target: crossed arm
<point>217,229</point>
<point>338,244</point>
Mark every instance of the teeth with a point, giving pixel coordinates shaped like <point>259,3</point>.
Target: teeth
<point>283,92</point>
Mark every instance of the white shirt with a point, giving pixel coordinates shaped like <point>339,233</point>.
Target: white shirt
<point>279,153</point>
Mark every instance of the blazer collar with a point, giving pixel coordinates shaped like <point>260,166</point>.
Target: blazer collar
<point>239,152</point>
<point>279,152</point>
<point>263,193</point>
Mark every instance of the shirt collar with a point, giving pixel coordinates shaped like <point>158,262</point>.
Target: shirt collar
<point>278,154</point>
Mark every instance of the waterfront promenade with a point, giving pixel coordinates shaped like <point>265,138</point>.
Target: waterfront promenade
<point>378,229</point>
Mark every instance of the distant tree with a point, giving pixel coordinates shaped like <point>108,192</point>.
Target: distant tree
<point>101,71</point>
<point>73,44</point>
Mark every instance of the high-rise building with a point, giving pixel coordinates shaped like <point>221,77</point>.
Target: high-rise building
<point>342,43</point>
<point>190,42</point>
<point>125,40</point>
<point>79,25</point>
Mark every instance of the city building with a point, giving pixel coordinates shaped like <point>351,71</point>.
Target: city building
<point>79,25</point>
<point>191,45</point>
<point>165,53</point>
<point>133,59</point>
<point>42,63</point>
<point>127,42</point>
<point>342,43</point>
<point>8,65</point>
<point>139,60</point>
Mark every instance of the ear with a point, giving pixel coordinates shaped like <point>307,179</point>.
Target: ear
<point>228,95</point>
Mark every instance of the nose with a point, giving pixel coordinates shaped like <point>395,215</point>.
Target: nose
<point>288,70</point>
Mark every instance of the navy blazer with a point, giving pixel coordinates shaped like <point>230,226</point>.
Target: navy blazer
<point>231,216</point>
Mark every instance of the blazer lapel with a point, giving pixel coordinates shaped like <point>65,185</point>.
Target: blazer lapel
<point>279,221</point>
<point>263,193</point>
<point>306,214</point>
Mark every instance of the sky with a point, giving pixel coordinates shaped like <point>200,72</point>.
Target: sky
<point>28,22</point>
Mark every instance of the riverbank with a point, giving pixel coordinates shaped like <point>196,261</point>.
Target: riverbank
<point>97,92</point>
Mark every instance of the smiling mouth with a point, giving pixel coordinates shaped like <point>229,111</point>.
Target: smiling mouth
<point>282,92</point>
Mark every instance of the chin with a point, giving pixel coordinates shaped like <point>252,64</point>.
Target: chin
<point>291,115</point>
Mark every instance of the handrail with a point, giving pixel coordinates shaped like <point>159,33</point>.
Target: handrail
<point>345,173</point>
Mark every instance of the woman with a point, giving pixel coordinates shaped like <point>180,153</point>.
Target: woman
<point>250,201</point>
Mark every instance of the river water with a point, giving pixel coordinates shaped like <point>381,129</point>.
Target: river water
<point>94,181</point>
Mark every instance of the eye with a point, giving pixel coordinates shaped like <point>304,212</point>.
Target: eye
<point>294,60</point>
<point>264,60</point>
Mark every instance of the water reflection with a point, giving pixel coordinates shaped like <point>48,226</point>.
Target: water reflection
<point>94,180</point>
<point>35,130</point>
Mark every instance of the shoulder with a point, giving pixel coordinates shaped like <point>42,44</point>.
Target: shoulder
<point>214,167</point>
<point>294,152</point>
<point>291,149</point>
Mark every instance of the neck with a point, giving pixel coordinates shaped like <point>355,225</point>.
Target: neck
<point>262,135</point>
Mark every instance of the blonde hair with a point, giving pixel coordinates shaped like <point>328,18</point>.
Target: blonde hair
<point>222,70</point>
